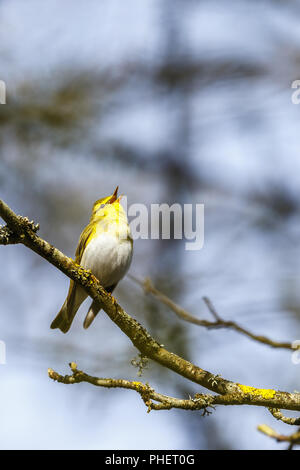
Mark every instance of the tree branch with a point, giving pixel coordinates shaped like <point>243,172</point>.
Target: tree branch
<point>198,402</point>
<point>146,392</point>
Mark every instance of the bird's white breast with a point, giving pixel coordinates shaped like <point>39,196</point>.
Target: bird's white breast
<point>108,257</point>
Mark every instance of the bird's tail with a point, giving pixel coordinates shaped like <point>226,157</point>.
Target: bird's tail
<point>92,313</point>
<point>65,316</point>
<point>61,320</point>
<point>95,309</point>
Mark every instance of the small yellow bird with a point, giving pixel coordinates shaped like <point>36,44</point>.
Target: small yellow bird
<point>105,247</point>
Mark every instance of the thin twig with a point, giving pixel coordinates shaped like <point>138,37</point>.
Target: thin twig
<point>268,431</point>
<point>218,323</point>
<point>280,417</point>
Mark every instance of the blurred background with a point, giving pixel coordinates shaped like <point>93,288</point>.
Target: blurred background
<point>174,101</point>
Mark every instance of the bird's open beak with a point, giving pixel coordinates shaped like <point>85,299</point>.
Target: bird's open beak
<point>114,196</point>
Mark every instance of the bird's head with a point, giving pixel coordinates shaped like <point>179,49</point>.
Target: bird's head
<point>106,205</point>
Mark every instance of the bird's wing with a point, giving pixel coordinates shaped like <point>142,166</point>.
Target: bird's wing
<point>85,235</point>
<point>83,239</point>
<point>75,295</point>
<point>100,224</point>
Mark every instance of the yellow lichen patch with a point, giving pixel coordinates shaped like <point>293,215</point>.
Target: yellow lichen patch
<point>140,385</point>
<point>73,366</point>
<point>262,392</point>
